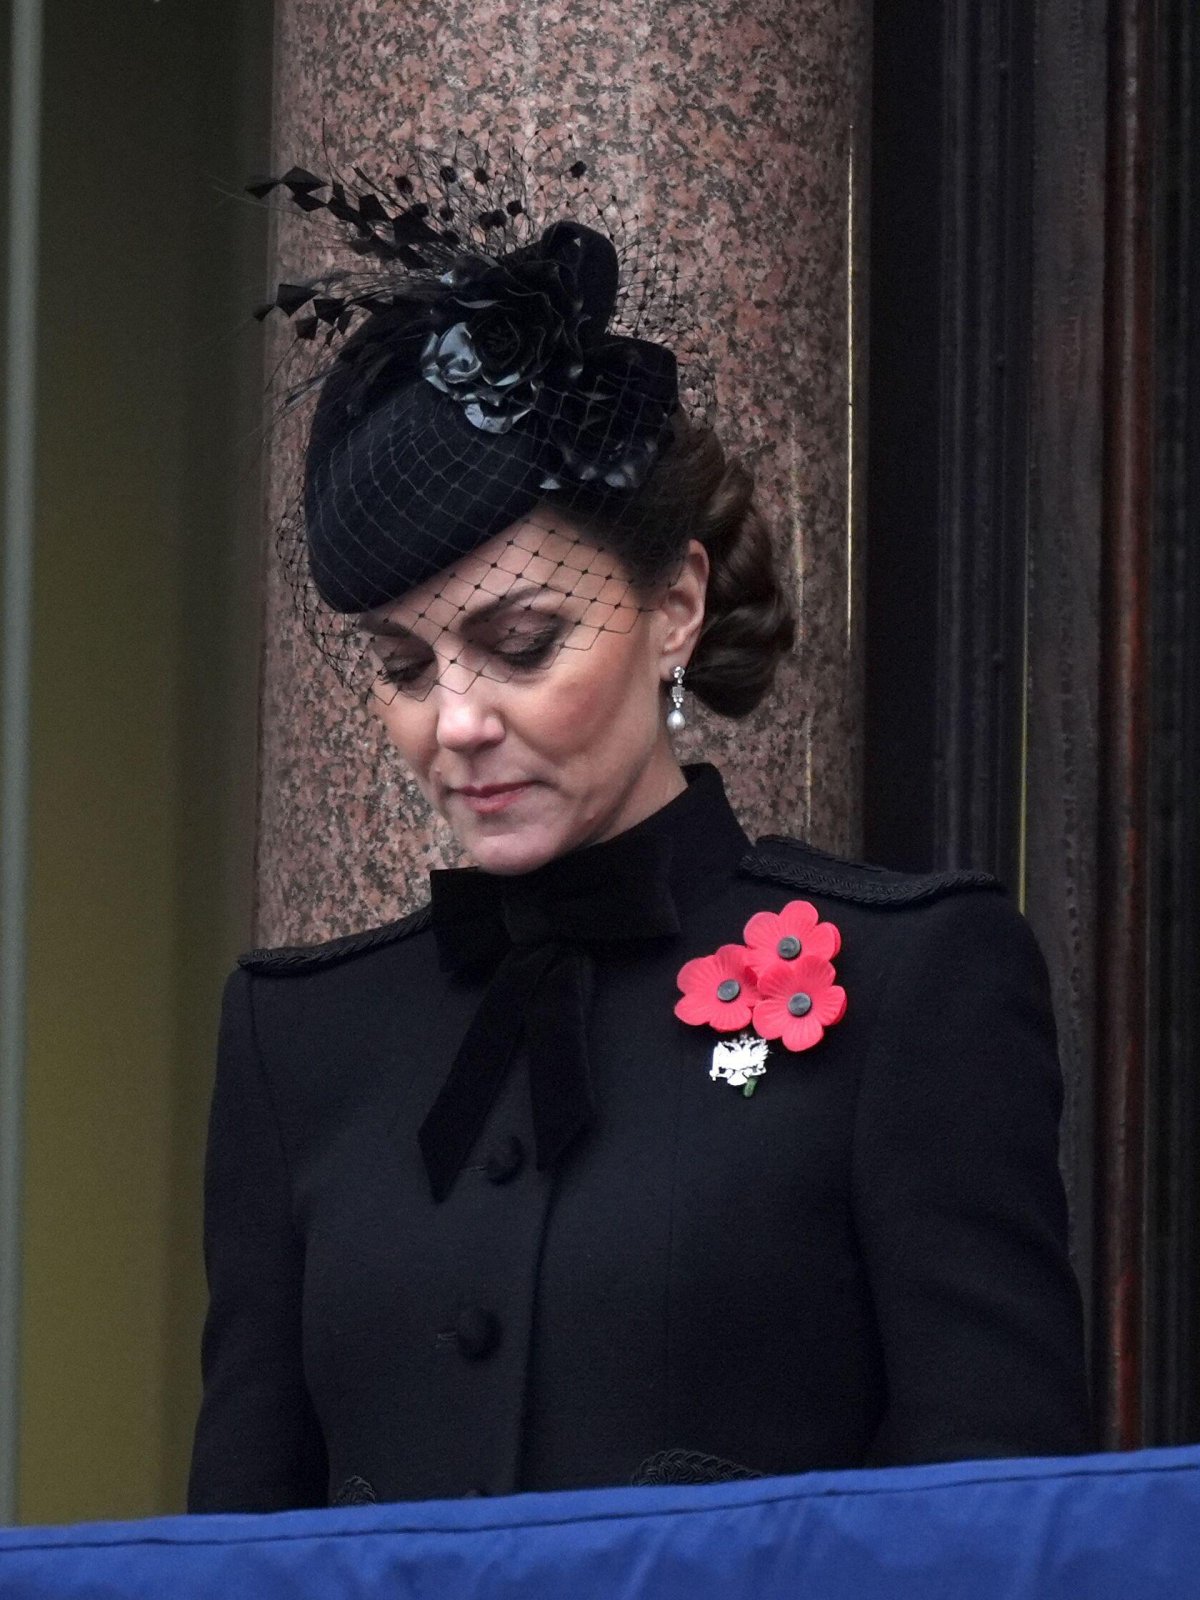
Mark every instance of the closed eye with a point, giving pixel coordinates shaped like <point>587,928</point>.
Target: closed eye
<point>405,673</point>
<point>524,648</point>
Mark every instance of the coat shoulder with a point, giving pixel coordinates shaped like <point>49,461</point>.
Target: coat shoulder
<point>798,865</point>
<point>287,960</point>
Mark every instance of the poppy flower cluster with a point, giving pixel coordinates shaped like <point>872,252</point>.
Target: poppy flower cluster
<point>780,982</point>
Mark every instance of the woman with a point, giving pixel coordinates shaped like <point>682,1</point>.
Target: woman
<point>641,1151</point>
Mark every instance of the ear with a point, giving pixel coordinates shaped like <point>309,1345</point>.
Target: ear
<point>681,609</point>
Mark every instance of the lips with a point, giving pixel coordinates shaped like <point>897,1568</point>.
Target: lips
<point>484,791</point>
<point>485,799</point>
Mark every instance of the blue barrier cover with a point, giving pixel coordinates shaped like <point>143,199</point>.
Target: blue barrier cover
<point>1111,1527</point>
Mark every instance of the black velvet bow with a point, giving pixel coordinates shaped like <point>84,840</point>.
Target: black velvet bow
<point>537,930</point>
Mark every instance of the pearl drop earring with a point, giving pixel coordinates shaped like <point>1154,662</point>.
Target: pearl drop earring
<point>675,717</point>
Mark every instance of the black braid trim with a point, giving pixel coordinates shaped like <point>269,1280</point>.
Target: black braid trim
<point>287,959</point>
<point>802,866</point>
<point>355,1491</point>
<point>689,1466</point>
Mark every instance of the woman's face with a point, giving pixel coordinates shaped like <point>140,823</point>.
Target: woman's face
<point>523,687</point>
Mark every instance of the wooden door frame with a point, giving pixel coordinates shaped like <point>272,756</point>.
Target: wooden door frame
<point>1032,482</point>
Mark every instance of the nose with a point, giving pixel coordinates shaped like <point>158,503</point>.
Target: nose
<point>468,717</point>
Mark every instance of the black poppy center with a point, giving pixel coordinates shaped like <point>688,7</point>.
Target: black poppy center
<point>789,947</point>
<point>800,1004</point>
<point>729,989</point>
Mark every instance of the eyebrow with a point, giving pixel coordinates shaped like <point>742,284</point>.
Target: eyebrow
<point>397,630</point>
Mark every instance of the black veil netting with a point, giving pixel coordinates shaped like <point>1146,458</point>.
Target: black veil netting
<point>487,382</point>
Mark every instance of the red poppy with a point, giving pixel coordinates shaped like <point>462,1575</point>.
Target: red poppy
<point>788,934</point>
<point>718,989</point>
<point>799,1000</point>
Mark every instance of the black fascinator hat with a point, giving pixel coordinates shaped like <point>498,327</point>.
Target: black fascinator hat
<point>504,339</point>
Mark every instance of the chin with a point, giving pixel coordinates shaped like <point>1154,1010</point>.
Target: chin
<point>518,850</point>
<point>526,834</point>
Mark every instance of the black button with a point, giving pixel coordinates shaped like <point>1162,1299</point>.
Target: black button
<point>789,947</point>
<point>477,1332</point>
<point>800,1004</point>
<point>506,1160</point>
<point>729,989</point>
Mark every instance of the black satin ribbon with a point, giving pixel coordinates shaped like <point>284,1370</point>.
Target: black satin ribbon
<point>538,931</point>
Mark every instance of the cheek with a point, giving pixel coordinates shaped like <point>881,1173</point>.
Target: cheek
<point>595,699</point>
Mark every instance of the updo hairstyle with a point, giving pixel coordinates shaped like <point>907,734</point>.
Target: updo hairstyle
<point>697,491</point>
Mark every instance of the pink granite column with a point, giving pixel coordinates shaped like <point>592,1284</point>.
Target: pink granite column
<point>734,125</point>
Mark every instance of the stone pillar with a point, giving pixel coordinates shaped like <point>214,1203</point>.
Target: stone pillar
<point>732,125</point>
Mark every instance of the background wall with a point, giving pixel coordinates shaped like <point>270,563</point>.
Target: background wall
<point>143,719</point>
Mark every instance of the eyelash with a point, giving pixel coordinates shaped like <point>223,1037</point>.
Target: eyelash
<point>529,655</point>
<point>533,649</point>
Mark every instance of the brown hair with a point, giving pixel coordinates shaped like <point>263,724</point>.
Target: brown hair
<point>697,492</point>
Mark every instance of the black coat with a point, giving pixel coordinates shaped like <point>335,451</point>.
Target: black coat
<point>863,1262</point>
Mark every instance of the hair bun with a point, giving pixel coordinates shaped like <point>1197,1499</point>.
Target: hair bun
<point>749,618</point>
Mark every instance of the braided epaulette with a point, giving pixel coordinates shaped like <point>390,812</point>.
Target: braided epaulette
<point>287,959</point>
<point>803,866</point>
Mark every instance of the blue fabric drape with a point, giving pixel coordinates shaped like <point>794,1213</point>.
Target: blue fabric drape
<point>1116,1527</point>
